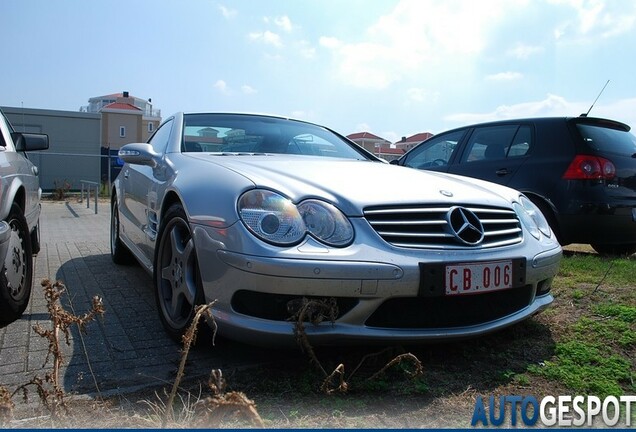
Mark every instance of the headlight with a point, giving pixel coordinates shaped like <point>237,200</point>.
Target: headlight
<point>326,223</point>
<point>271,217</point>
<point>275,219</point>
<point>532,218</point>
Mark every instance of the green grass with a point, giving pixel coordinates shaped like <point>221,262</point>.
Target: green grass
<point>594,353</point>
<point>592,269</point>
<point>586,368</point>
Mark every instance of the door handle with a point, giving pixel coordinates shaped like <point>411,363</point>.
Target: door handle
<point>35,170</point>
<point>126,174</point>
<point>502,172</point>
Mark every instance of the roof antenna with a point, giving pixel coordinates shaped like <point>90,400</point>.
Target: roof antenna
<point>599,95</point>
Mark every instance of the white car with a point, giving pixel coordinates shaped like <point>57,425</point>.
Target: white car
<point>19,217</point>
<point>261,212</point>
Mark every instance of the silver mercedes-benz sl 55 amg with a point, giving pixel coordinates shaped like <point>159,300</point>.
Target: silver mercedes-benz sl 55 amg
<point>263,214</point>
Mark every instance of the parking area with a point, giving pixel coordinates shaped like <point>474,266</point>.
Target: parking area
<point>125,350</point>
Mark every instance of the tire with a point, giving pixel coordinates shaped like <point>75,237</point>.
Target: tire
<point>615,249</point>
<point>16,276</point>
<point>119,253</point>
<point>177,280</point>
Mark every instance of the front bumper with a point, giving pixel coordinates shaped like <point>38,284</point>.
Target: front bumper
<point>385,274</point>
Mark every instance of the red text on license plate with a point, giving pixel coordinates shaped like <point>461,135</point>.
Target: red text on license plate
<point>478,278</point>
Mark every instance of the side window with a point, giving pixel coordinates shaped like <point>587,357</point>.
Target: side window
<point>3,126</point>
<point>159,139</point>
<point>434,152</point>
<point>489,143</point>
<point>522,142</point>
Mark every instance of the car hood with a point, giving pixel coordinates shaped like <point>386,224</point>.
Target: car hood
<point>352,185</point>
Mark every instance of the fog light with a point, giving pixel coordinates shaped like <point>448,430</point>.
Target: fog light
<point>544,287</point>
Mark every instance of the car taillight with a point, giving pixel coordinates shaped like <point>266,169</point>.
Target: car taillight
<point>585,167</point>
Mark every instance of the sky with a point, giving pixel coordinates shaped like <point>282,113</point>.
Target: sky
<point>390,67</point>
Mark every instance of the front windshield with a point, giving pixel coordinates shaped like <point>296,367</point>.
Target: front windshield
<point>241,133</point>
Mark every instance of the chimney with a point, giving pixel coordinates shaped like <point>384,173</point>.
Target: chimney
<point>125,94</point>
<point>403,139</point>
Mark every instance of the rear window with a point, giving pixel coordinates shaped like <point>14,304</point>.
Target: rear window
<point>607,140</point>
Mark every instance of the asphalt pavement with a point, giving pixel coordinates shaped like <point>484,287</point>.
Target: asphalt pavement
<point>124,351</point>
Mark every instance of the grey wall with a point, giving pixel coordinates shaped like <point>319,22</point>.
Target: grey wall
<point>74,144</point>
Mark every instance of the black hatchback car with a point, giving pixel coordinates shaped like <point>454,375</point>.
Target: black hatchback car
<point>580,171</point>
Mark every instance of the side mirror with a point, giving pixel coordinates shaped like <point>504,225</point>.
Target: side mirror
<point>30,141</point>
<point>395,162</point>
<point>140,154</point>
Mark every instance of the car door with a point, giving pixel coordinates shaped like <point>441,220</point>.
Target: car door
<point>494,153</point>
<point>138,187</point>
<point>16,167</point>
<point>436,153</point>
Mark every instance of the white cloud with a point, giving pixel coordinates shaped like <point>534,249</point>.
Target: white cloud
<point>523,52</point>
<point>246,89</point>
<point>416,94</point>
<point>273,57</point>
<point>267,37</point>
<point>505,76</point>
<point>306,50</point>
<point>415,35</point>
<point>363,127</point>
<point>595,18</point>
<point>221,86</point>
<point>329,42</point>
<point>284,23</point>
<point>552,105</point>
<point>623,110</point>
<point>227,12</point>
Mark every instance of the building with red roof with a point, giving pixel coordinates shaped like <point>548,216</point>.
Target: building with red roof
<point>407,143</point>
<point>369,141</point>
<point>384,148</point>
<point>125,118</point>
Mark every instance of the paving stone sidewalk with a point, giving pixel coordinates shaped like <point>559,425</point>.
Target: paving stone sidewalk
<point>127,349</point>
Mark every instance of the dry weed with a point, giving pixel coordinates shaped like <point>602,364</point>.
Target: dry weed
<point>48,389</point>
<point>316,311</point>
<point>6,406</point>
<point>221,406</point>
<point>327,386</point>
<point>189,338</point>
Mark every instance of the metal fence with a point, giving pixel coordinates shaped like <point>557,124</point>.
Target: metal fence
<point>66,171</point>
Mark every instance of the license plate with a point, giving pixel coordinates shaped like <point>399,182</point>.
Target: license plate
<point>478,278</point>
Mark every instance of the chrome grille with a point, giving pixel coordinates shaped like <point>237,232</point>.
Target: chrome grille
<point>426,227</point>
